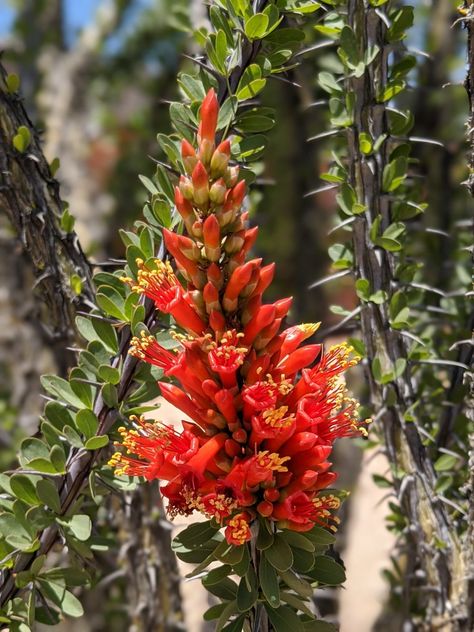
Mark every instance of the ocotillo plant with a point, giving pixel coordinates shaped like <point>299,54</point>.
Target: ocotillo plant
<point>263,410</point>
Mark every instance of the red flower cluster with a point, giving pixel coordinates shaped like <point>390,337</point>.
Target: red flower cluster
<point>265,410</point>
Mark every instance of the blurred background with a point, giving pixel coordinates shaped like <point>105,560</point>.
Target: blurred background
<point>96,76</point>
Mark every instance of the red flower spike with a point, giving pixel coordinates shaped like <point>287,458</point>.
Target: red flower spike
<point>263,424</point>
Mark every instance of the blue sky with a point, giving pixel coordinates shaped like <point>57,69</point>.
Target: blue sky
<point>77,13</point>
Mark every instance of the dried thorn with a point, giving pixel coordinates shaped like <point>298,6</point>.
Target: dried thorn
<point>309,49</point>
<point>98,317</point>
<point>331,132</point>
<point>383,17</point>
<point>426,141</point>
<point>452,504</point>
<point>442,362</point>
<point>164,165</point>
<point>345,320</point>
<point>108,264</point>
<point>427,288</point>
<point>346,222</point>
<point>74,349</point>
<point>469,341</point>
<point>420,53</point>
<point>326,187</point>
<point>284,80</point>
<point>408,334</point>
<point>437,231</point>
<point>42,277</point>
<point>204,66</point>
<point>91,382</point>
<point>331,277</point>
<point>316,104</point>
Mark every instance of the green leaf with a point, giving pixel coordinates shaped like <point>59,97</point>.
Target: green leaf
<point>319,625</point>
<point>394,174</point>
<point>110,395</point>
<point>196,534</point>
<point>446,462</point>
<point>302,7</point>
<point>61,389</point>
<point>95,443</point>
<point>256,26</point>
<point>72,437</point>
<point>297,584</point>
<point>54,166</point>
<point>297,540</point>
<point>48,494</point>
<point>284,619</point>
<point>251,89</point>
<point>111,306</point>
<point>58,458</point>
<point>247,592</point>
<point>328,82</point>
<point>264,537</point>
<point>235,625</point>
<point>109,373</point>
<point>320,536</point>
<point>80,526</point>
<point>269,582</point>
<point>279,554</point>
<point>365,143</point>
<point>97,329</point>
<point>391,90</point>
<point>22,138</point>
<point>87,422</point>
<point>225,589</point>
<point>24,489</point>
<point>227,612</point>
<point>62,598</point>
<point>33,448</point>
<point>327,571</point>
<point>13,82</point>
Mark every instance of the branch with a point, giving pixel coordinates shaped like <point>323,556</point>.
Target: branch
<point>29,196</point>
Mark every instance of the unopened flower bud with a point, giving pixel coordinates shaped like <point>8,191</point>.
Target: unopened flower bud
<point>231,176</point>
<point>218,191</point>
<point>220,159</point>
<point>201,184</point>
<point>196,229</point>
<point>212,238</point>
<point>265,508</point>
<point>188,155</point>
<point>186,187</point>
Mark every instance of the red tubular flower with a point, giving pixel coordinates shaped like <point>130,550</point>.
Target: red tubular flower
<point>265,407</point>
<point>238,529</point>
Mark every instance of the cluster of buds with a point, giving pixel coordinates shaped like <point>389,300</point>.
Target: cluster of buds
<point>263,408</point>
